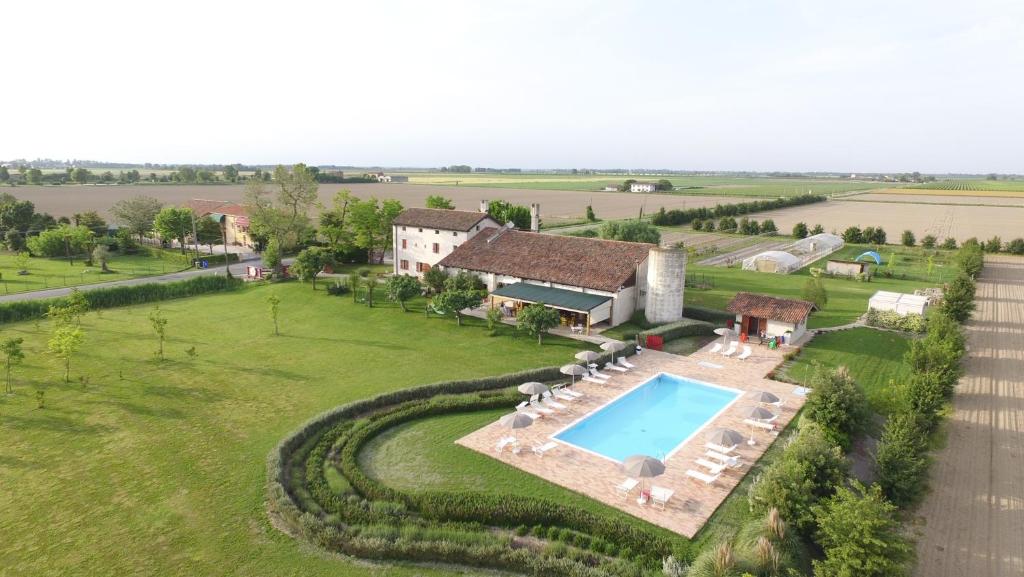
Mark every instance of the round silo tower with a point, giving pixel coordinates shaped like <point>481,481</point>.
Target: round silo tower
<point>666,279</point>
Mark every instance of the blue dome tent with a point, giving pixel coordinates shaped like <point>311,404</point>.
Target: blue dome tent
<point>872,254</point>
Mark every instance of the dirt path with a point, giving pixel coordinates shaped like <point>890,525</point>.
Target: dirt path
<point>973,521</point>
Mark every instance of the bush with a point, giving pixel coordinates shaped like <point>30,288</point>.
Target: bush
<point>970,258</point>
<point>911,322</point>
<point>907,238</point>
<point>65,239</point>
<point>121,296</point>
<point>929,241</point>
<point>958,298</point>
<point>713,316</point>
<point>837,404</point>
<point>683,328</point>
<point>902,466</point>
<point>949,244</point>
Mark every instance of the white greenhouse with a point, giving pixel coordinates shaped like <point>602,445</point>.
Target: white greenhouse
<point>899,303</point>
<point>772,261</point>
<point>823,243</point>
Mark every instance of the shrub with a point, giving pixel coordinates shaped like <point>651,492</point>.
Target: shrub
<point>970,258</point>
<point>958,298</point>
<point>678,329</point>
<point>902,466</point>
<point>929,241</point>
<point>911,322</point>
<point>62,240</point>
<point>994,244</point>
<point>837,404</point>
<point>709,315</point>
<point>814,291</point>
<point>907,238</point>
<point>697,224</point>
<point>926,394</point>
<point>800,230</point>
<point>949,244</point>
<point>1015,246</point>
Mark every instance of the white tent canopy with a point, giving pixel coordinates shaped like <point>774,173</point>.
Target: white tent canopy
<point>772,261</point>
<point>900,303</point>
<point>818,243</point>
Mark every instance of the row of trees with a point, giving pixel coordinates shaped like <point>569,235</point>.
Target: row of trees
<point>676,216</point>
<point>729,224</point>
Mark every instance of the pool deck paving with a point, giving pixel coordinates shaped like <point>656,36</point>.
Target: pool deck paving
<point>693,502</point>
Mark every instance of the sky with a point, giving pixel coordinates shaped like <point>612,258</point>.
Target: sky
<point>865,86</point>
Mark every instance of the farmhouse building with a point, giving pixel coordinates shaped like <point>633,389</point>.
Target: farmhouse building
<point>589,281</point>
<point>232,217</point>
<point>767,316</point>
<point>423,236</point>
<point>643,187</point>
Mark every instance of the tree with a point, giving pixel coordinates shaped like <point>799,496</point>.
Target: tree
<point>818,229</point>
<point>81,175</point>
<point>400,288</point>
<point>371,222</point>
<point>859,533</point>
<point>438,201</point>
<point>64,343</point>
<point>5,175</point>
<point>536,319</point>
<point>137,214</point>
<point>907,238</point>
<point>208,232</point>
<point>285,216</point>
<point>994,244</point>
<point>926,397</point>
<point>949,244</point>
<point>230,173</point>
<point>632,231</point>
<point>272,255</point>
<point>61,241</point>
<point>929,241</point>
<point>1015,246</point>
<point>435,278</point>
<point>14,240</point>
<point>464,281</point>
<point>800,230</point>
<point>837,404</point>
<point>853,235</point>
<point>334,223</point>
<point>275,304</point>
<point>697,224</point>
<point>310,262</point>
<point>18,214</point>
<point>92,221</point>
<point>814,291</point>
<point>101,254</point>
<point>159,323</point>
<point>709,226</point>
<point>900,458</point>
<point>591,217</point>
<point>494,318</point>
<point>34,176</point>
<point>174,223</point>
<point>13,355</point>
<point>454,301</point>
<point>958,299</point>
<point>664,184</point>
<point>505,212</point>
<point>21,262</point>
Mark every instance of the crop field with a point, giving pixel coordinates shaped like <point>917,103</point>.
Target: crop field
<point>972,186</point>
<point>158,468</point>
<point>911,196</point>
<point>687,185</point>
<point>957,221</point>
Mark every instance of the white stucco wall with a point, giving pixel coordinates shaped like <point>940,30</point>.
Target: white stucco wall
<point>420,244</point>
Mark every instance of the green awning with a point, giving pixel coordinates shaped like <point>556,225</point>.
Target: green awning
<point>555,297</point>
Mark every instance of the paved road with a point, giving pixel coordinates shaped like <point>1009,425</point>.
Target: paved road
<point>974,516</point>
<point>236,269</point>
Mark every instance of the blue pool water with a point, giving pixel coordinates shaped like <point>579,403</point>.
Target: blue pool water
<point>652,419</point>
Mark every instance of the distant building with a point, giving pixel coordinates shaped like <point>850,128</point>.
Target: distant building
<point>392,178</point>
<point>611,188</point>
<point>232,217</point>
<point>643,187</point>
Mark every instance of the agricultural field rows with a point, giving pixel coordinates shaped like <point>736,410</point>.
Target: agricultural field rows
<point>973,185</point>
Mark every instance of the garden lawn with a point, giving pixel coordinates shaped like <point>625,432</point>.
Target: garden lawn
<point>150,468</point>
<point>874,359</point>
<point>58,272</point>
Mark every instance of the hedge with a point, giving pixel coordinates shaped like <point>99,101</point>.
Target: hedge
<point>677,217</point>
<point>437,526</point>
<point>713,316</point>
<point>683,328</point>
<point>185,260</point>
<point>103,298</point>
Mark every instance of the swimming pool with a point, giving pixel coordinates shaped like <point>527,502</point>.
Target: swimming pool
<point>654,419</point>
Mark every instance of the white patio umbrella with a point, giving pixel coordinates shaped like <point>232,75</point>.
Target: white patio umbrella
<point>613,347</point>
<point>587,356</point>
<point>724,333</point>
<point>573,370</point>
<point>642,467</point>
<point>533,388</point>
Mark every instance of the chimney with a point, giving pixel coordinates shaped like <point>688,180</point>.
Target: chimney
<point>535,217</point>
<point>484,206</point>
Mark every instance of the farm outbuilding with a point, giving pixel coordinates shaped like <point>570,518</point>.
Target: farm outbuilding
<point>899,303</point>
<point>845,267</point>
<point>776,261</point>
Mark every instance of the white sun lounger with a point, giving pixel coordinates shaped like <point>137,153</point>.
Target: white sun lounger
<point>729,351</point>
<point>590,379</point>
<point>540,408</point>
<point>713,468</point>
<point>626,487</point>
<point>731,461</point>
<point>507,442</point>
<point>717,347</point>
<point>707,479</point>
<point>599,374</point>
<point>523,408</point>
<point>611,367</point>
<point>661,495</point>
<point>625,363</point>
<point>720,448</point>
<point>760,424</point>
<point>564,395</point>
<point>564,388</point>
<point>747,351</point>
<point>539,450</point>
<point>549,401</point>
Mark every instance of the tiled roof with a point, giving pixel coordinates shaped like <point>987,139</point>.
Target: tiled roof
<point>768,307</point>
<point>461,220</point>
<point>574,261</point>
<point>203,207</point>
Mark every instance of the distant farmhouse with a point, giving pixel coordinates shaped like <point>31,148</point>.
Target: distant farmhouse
<point>392,178</point>
<point>643,187</point>
<point>588,280</point>
<point>232,217</point>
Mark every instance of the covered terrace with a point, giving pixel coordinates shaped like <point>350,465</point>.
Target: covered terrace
<point>578,310</point>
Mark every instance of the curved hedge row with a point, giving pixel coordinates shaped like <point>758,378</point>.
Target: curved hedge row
<point>378,522</point>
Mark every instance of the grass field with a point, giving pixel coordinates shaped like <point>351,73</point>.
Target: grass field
<point>153,468</point>
<point>57,272</point>
<point>689,185</point>
<point>874,359</point>
<point>972,186</point>
<point>847,299</point>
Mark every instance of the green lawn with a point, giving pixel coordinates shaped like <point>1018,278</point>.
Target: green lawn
<point>874,359</point>
<point>847,299</point>
<point>156,468</point>
<point>57,272</point>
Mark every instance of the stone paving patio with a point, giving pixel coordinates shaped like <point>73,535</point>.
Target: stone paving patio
<point>693,502</point>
